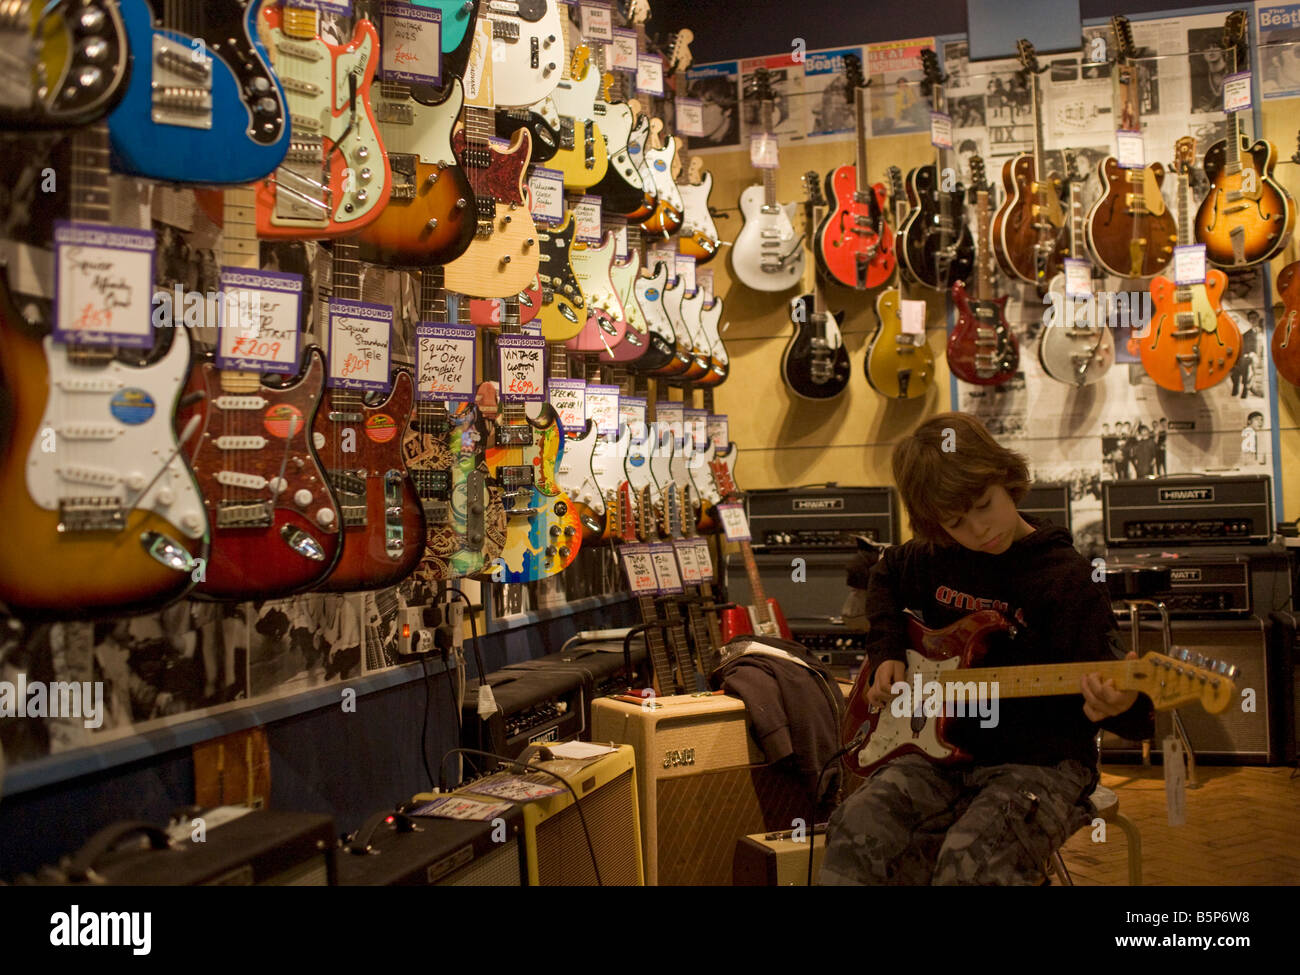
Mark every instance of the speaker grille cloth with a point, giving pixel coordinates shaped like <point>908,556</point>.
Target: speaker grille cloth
<point>562,855</point>
<point>500,868</point>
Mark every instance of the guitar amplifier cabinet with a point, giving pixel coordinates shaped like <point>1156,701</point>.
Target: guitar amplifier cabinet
<point>703,782</point>
<point>533,707</point>
<point>1205,585</point>
<point>1235,737</point>
<point>811,591</point>
<point>1049,501</point>
<point>1188,511</point>
<point>443,852</point>
<point>824,516</point>
<point>555,846</point>
<point>842,650</point>
<point>600,665</point>
<point>778,859</point>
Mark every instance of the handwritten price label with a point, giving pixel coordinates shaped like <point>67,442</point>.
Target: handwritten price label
<point>735,525</point>
<point>412,47</point>
<point>687,562</point>
<point>650,74</point>
<point>1236,92</point>
<point>672,416</point>
<point>1189,264</point>
<point>665,563</point>
<point>602,409</point>
<point>547,188</point>
<point>697,425</point>
<point>1078,277</point>
<point>686,271</point>
<point>523,368</point>
<point>259,317</point>
<point>444,362</point>
<point>569,397</point>
<point>704,278</point>
<point>911,316</point>
<point>623,52</point>
<point>103,284</point>
<point>640,569</point>
<point>360,339</point>
<point>1130,149</point>
<point>586,219</point>
<point>631,416</point>
<point>941,130</point>
<point>704,559</point>
<point>762,150</point>
<point>719,431</point>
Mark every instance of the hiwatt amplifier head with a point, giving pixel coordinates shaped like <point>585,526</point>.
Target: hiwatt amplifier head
<point>822,516</point>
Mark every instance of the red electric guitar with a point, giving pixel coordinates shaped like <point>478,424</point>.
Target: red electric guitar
<point>1286,334</point>
<point>949,658</point>
<point>764,617</point>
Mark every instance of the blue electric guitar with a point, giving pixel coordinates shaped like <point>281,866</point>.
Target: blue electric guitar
<point>202,105</point>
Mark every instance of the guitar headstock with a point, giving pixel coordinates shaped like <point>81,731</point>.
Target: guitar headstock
<point>722,479</point>
<point>679,57</point>
<point>1183,678</point>
<point>1234,36</point>
<point>762,85</point>
<point>635,11</point>
<point>695,171</point>
<point>933,76</point>
<point>1028,59</point>
<point>978,178</point>
<point>1185,155</point>
<point>812,182</point>
<point>1072,174</point>
<point>853,74</point>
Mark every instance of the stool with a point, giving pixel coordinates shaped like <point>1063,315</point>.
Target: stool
<point>1105,804</point>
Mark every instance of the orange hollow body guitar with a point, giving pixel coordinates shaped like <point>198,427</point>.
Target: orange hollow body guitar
<point>1286,334</point>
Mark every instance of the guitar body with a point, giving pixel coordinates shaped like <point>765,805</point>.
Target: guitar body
<point>488,312</point>
<point>317,192</point>
<point>263,547</point>
<point>699,235</point>
<point>622,189</point>
<point>981,348</point>
<point>662,342</point>
<point>636,145</point>
<point>1246,217</point>
<point>383,524</point>
<point>636,338</point>
<point>563,310</point>
<point>575,477</point>
<point>706,488</point>
<point>1191,343</point>
<point>240,139</point>
<point>422,222</point>
<point>691,309</point>
<point>504,262</point>
<point>426,451</point>
<point>854,245</point>
<point>527,51</point>
<point>815,364</point>
<point>605,325</point>
<point>767,255</point>
<point>582,154</point>
<point>919,241</point>
<point>1285,346</point>
<point>93,435</point>
<point>1016,238</point>
<point>1125,242</point>
<point>963,644</point>
<point>81,61</point>
<point>743,621</point>
<point>668,214</point>
<point>478,513</point>
<point>546,137</point>
<point>1075,352</point>
<point>719,361</point>
<point>897,366</point>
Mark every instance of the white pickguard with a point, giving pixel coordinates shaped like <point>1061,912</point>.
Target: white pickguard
<point>673,297</point>
<point>893,732</point>
<point>710,315</point>
<point>776,230</point>
<point>615,121</point>
<point>696,215</point>
<point>428,133</point>
<point>661,461</point>
<point>691,306</point>
<point>516,82</point>
<point>607,464</point>
<point>591,266</point>
<point>573,473</point>
<point>624,275</point>
<point>576,98</point>
<point>96,455</point>
<point>650,299</point>
<point>659,163</point>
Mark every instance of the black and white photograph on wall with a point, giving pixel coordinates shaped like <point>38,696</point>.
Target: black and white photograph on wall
<point>967,111</point>
<point>826,90</point>
<point>1209,66</point>
<point>956,65</point>
<point>29,655</point>
<point>1278,27</point>
<point>290,649</point>
<point>784,110</point>
<point>379,611</point>
<point>717,86</point>
<point>340,631</point>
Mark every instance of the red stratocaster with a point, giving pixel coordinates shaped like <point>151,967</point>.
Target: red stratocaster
<point>361,449</point>
<point>764,617</point>
<point>949,658</point>
<point>855,245</point>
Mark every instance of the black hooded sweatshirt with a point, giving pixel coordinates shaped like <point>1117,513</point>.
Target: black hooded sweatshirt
<point>1045,588</point>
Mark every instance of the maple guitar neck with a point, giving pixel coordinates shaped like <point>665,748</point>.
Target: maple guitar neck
<point>762,611</point>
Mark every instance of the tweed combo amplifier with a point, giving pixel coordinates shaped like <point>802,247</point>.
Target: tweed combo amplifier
<point>555,844</point>
<point>702,780</point>
<point>1188,511</point>
<point>779,859</point>
<point>533,707</point>
<point>824,516</point>
<point>414,850</point>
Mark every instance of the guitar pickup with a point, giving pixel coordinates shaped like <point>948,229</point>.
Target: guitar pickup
<point>341,416</point>
<point>239,402</point>
<point>254,482</point>
<point>438,512</point>
<point>354,515</point>
<point>244,514</point>
<point>515,479</point>
<point>395,113</point>
<point>431,483</point>
<point>239,443</point>
<point>303,52</point>
<point>534,53</point>
<point>91,515</point>
<point>431,426</point>
<point>181,87</point>
<point>300,87</point>
<point>347,483</point>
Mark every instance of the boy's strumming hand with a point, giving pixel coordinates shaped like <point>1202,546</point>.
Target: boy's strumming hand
<point>1101,699</point>
<point>888,674</point>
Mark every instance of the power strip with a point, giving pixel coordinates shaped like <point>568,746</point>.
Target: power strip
<point>616,633</point>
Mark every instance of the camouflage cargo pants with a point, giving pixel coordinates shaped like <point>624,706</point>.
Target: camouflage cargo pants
<point>914,822</point>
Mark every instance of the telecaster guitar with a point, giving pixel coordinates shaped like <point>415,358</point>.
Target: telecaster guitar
<point>582,155</point>
<point>950,657</point>
<point>222,118</point>
<point>527,49</point>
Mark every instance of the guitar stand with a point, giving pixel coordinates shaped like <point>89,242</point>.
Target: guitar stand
<point>1135,606</point>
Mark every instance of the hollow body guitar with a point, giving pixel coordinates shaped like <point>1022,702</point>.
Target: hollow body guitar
<point>1285,346</point>
<point>336,176</point>
<point>949,657</point>
<point>223,120</point>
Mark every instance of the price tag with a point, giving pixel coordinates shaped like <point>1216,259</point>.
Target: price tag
<point>686,272</point>
<point>547,189</point>
<point>533,328</point>
<point>734,523</point>
<point>569,397</point>
<point>623,52</point>
<point>672,416</point>
<point>665,563</point>
<point>669,256</point>
<point>640,569</point>
<point>704,559</point>
<point>360,338</point>
<point>523,368</point>
<point>687,562</point>
<point>719,432</point>
<point>618,227</point>
<point>697,422</point>
<point>1130,149</point>
<point>704,278</point>
<point>412,45</point>
<point>1189,264</point>
<point>341,7</point>
<point>259,315</point>
<point>1175,781</point>
<point>596,21</point>
<point>445,360</point>
<point>690,116</point>
<point>103,285</point>
<point>631,417</point>
<point>911,314</point>
<point>1236,92</point>
<point>941,130</point>
<point>602,409</point>
<point>586,219</point>
<point>762,150</point>
<point>650,74</point>
<point>1078,278</point>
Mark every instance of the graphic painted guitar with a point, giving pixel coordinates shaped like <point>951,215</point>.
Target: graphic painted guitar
<point>815,365</point>
<point>855,244</point>
<point>951,656</point>
<point>77,55</point>
<point>1191,343</point>
<point>222,119</point>
<point>336,177</point>
<point>1285,346</point>
<point>1247,216</point>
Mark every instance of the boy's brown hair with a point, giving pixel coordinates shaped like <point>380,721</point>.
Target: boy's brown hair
<point>944,467</point>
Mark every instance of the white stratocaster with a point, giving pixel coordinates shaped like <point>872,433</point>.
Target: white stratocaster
<point>659,163</point>
<point>605,325</point>
<point>649,292</point>
<point>574,473</point>
<point>698,235</point>
<point>625,274</point>
<point>710,316</point>
<point>527,49</point>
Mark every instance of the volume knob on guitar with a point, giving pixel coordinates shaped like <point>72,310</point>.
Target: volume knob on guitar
<point>302,497</point>
<point>325,516</point>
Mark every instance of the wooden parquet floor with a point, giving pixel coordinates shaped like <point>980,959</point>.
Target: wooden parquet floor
<point>1243,828</point>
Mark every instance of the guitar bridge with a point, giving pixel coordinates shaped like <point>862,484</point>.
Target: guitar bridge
<point>394,534</point>
<point>403,165</point>
<point>346,484</point>
<point>504,30</point>
<point>181,87</point>
<point>91,515</point>
<point>244,514</point>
